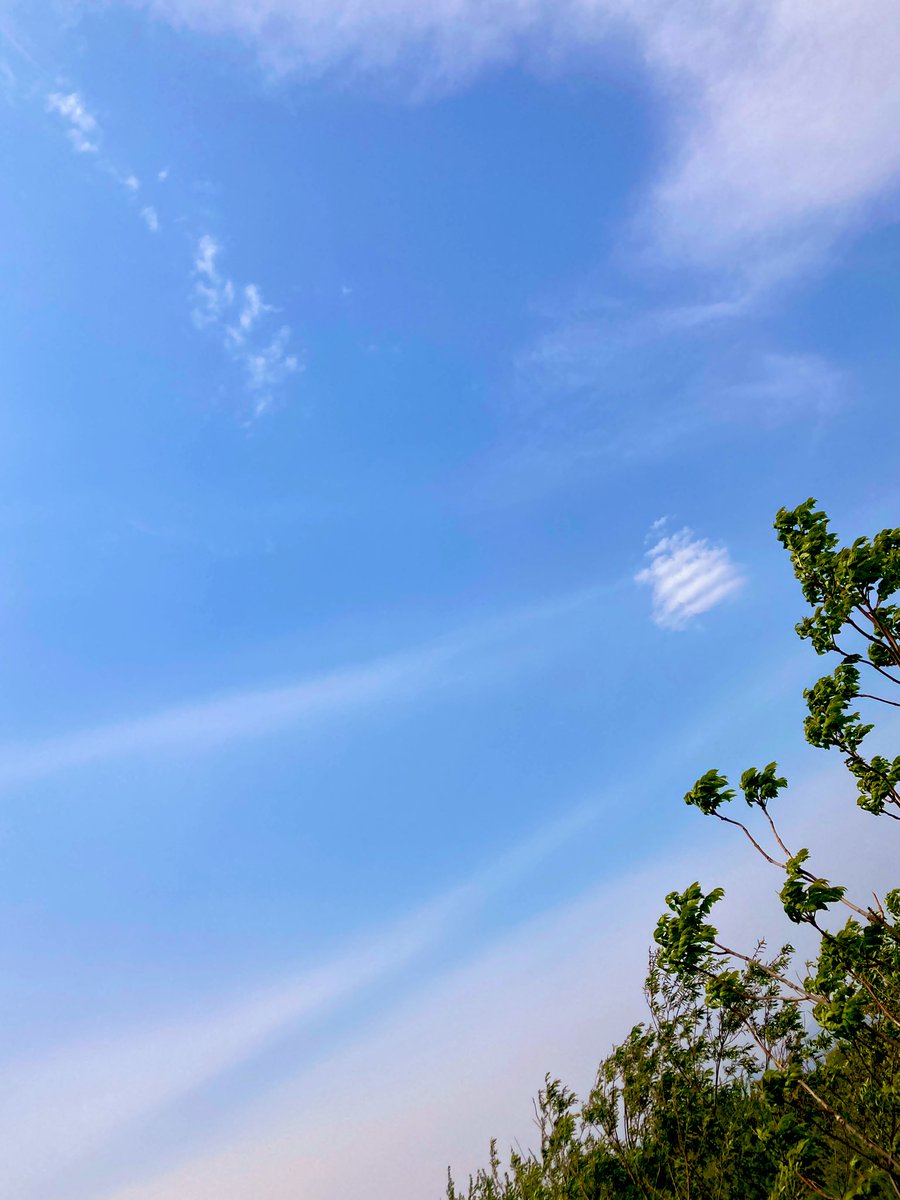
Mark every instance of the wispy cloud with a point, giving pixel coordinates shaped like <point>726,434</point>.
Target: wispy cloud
<point>614,384</point>
<point>699,347</point>
<point>610,391</point>
<point>8,82</point>
<point>82,125</point>
<point>125,179</point>
<point>781,387</point>
<point>442,43</point>
<point>688,576</point>
<point>213,293</point>
<point>785,114</point>
<point>85,135</point>
<point>238,316</point>
<point>784,119</point>
<point>269,367</point>
<point>791,127</point>
<point>10,34</point>
<point>252,308</point>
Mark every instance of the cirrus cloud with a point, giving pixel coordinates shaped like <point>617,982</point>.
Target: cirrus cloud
<point>784,116</point>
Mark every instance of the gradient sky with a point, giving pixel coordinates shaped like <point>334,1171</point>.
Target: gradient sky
<point>397,396</point>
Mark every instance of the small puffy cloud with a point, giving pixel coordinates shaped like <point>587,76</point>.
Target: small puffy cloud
<point>688,576</point>
<point>163,175</point>
<point>83,129</point>
<point>150,218</point>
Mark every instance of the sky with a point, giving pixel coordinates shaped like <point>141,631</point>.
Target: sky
<point>397,397</point>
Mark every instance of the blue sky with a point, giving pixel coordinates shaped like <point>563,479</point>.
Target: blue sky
<point>397,397</point>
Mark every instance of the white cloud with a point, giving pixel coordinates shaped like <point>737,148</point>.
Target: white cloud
<point>688,576</point>
<point>126,179</point>
<point>784,114</point>
<point>794,125</point>
<point>84,133</point>
<point>163,174</point>
<point>267,359</point>
<point>270,366</point>
<point>253,308</point>
<point>208,250</point>
<point>83,129</point>
<point>213,293</point>
<point>455,37</point>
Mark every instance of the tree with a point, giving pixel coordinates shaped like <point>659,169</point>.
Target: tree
<point>838,1072</point>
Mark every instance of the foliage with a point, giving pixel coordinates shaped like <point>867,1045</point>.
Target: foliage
<point>748,1079</point>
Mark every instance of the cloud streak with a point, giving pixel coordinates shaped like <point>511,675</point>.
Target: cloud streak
<point>60,1111</point>
<point>210,723</point>
<point>783,387</point>
<point>98,1089</point>
<point>256,713</point>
